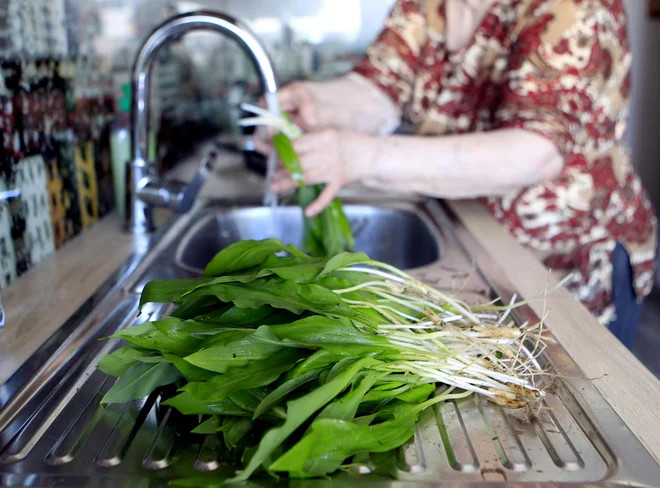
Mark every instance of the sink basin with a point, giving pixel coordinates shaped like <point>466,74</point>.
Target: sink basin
<point>398,237</point>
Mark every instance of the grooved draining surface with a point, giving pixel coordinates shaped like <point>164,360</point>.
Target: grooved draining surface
<point>469,440</point>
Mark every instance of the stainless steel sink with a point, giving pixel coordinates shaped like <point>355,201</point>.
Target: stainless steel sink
<point>53,432</point>
<point>402,238</point>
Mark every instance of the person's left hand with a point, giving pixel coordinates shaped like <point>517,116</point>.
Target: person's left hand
<point>331,157</point>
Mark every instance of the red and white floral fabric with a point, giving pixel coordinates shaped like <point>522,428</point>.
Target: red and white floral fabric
<point>560,68</point>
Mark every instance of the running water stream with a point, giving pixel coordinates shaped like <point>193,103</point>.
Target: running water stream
<point>270,198</point>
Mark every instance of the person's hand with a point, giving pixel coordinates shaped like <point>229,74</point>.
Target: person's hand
<point>330,157</point>
<point>297,99</point>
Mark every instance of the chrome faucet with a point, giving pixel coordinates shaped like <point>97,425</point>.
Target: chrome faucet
<point>145,189</point>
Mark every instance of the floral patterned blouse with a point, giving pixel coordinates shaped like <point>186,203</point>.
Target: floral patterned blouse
<point>559,68</point>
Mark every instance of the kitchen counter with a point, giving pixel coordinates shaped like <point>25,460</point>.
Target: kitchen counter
<point>42,300</point>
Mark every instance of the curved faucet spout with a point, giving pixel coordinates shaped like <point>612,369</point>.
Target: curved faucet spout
<point>138,212</point>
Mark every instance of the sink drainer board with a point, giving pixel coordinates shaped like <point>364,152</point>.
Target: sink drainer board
<point>53,432</point>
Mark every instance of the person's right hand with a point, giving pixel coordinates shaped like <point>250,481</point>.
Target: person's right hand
<point>297,99</point>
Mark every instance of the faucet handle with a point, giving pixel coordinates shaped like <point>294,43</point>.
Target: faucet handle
<point>190,192</point>
<point>177,196</point>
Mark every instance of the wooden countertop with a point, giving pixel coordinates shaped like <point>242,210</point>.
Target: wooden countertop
<point>44,298</point>
<point>41,301</point>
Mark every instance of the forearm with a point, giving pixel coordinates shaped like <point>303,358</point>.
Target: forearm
<point>462,166</point>
<point>353,103</point>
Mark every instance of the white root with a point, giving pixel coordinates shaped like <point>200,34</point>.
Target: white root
<point>481,352</point>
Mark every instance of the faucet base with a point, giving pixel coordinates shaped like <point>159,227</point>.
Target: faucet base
<point>139,214</point>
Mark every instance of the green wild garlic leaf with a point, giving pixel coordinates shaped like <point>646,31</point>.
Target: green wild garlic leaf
<point>140,380</point>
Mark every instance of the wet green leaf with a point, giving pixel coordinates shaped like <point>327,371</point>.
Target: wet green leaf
<point>287,387</point>
<point>344,224</point>
<point>312,240</point>
<point>336,335</point>
<point>346,407</point>
<point>209,426</point>
<point>332,236</point>
<point>330,442</point>
<point>191,372</point>
<point>278,293</point>
<point>234,429</point>
<point>140,380</point>
<point>259,345</point>
<point>190,404</point>
<point>166,291</point>
<point>173,340</point>
<point>223,336</point>
<point>406,393</point>
<point>248,399</point>
<point>118,362</point>
<point>244,255</point>
<point>191,309</point>
<point>287,154</point>
<point>234,316</point>
<point>343,260</point>
<point>320,360</point>
<point>298,411</point>
<point>253,375</point>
